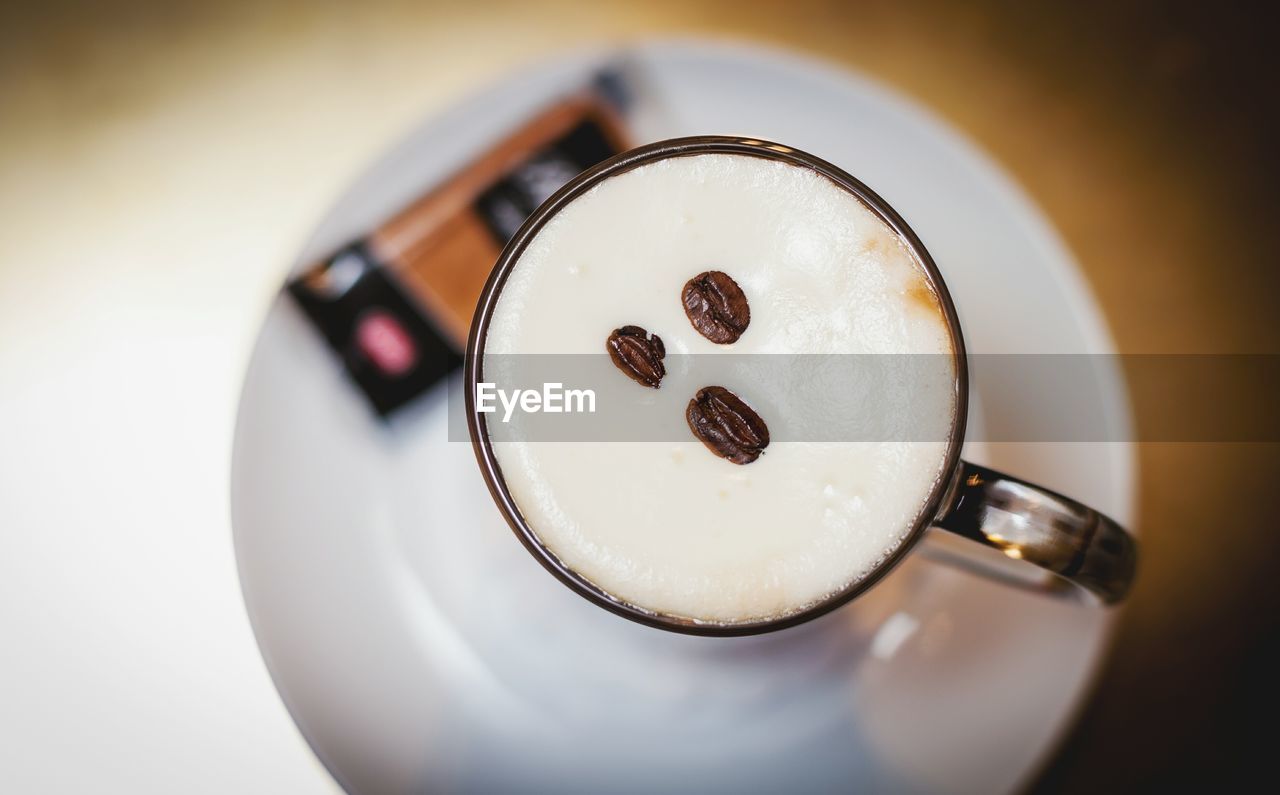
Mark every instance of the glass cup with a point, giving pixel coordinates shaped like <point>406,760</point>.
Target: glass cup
<point>1085,554</point>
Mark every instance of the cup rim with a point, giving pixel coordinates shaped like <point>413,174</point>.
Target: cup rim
<point>477,425</point>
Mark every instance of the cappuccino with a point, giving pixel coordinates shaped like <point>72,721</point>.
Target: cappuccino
<point>691,257</point>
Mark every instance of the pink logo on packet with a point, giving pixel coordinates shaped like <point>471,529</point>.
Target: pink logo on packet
<point>384,341</point>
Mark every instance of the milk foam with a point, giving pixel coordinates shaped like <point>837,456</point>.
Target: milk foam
<point>666,525</point>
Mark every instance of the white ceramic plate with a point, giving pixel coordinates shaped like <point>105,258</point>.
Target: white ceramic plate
<point>420,648</point>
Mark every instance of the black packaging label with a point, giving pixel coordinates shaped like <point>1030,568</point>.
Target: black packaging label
<point>506,205</point>
<point>387,346</point>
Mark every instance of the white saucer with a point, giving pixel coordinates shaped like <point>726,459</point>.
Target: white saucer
<point>420,648</point>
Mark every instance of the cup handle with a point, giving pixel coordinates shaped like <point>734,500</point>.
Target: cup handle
<point>1084,548</point>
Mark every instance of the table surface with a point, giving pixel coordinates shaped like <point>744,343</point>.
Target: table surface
<point>160,164</point>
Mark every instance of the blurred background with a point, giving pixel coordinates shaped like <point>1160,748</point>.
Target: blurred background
<point>162,162</point>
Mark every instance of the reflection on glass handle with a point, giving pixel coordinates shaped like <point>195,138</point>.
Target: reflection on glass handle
<point>1083,547</point>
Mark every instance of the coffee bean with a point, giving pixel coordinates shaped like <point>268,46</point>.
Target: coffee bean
<point>716,307</point>
<point>726,425</point>
<point>639,354</point>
